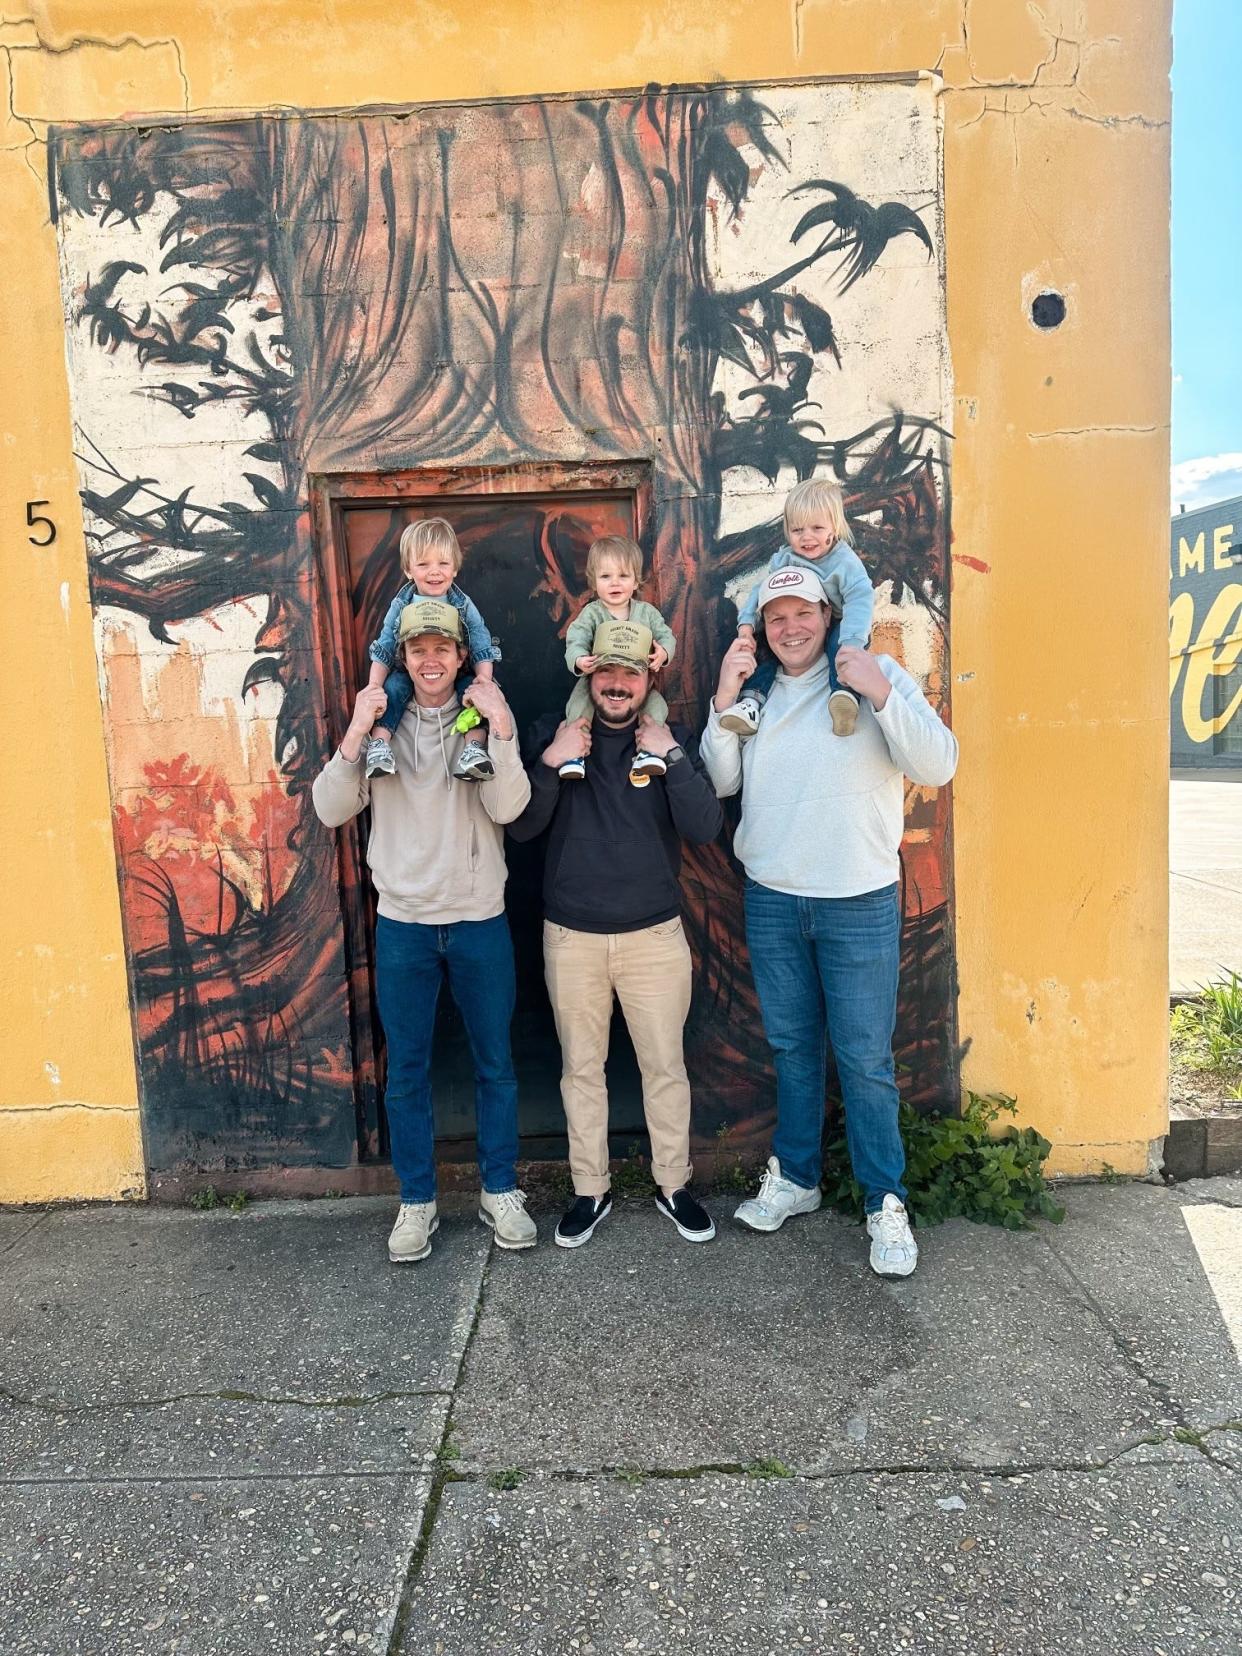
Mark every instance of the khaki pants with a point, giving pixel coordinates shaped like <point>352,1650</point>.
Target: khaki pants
<point>649,972</point>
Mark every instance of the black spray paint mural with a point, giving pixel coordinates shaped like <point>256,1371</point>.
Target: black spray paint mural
<point>737,287</point>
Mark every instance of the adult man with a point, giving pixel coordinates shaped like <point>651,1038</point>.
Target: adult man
<point>613,922</point>
<point>437,858</point>
<point>819,837</point>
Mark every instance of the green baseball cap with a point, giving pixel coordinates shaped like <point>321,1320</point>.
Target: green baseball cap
<point>429,615</point>
<point>621,644</point>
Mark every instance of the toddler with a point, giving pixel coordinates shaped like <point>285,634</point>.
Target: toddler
<point>819,540</point>
<point>614,568</point>
<point>430,560</point>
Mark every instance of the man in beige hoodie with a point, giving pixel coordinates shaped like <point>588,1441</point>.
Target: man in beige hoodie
<point>436,854</point>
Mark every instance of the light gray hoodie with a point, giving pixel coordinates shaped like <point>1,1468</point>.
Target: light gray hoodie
<point>822,815</point>
<point>436,850</point>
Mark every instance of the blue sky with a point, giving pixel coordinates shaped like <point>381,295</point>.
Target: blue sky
<point>1207,252</point>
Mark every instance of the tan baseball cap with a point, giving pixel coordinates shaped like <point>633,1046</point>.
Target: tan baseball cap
<point>429,615</point>
<point>791,582</point>
<point>621,644</point>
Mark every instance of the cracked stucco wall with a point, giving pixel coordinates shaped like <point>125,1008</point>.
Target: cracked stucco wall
<point>1056,177</point>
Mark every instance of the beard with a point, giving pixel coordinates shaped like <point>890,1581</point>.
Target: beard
<point>618,712</point>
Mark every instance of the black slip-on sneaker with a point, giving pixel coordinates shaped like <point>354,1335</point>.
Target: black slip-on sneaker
<point>578,1224</point>
<point>694,1222</point>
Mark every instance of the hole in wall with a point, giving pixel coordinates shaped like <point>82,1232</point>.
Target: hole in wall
<point>1048,310</point>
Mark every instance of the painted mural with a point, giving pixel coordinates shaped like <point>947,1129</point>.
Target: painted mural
<point>729,288</point>
<point>1205,637</point>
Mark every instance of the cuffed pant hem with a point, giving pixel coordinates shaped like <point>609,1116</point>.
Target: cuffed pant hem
<point>591,1185</point>
<point>671,1178</point>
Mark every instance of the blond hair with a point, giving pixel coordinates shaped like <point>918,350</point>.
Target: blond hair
<point>628,553</point>
<point>817,495</point>
<point>427,535</point>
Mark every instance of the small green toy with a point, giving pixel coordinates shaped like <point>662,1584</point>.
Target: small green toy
<point>467,719</point>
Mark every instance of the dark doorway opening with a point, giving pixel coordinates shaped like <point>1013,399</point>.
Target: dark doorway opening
<point>525,532</point>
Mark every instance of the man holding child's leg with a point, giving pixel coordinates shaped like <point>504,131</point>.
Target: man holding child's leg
<point>613,921</point>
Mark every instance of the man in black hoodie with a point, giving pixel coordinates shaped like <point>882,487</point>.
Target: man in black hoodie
<point>612,907</point>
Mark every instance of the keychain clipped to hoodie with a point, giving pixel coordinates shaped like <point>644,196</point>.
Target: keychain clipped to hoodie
<point>467,719</point>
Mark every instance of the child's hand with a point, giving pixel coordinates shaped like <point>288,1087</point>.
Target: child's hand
<point>747,632</point>
<point>657,658</point>
<point>585,664</point>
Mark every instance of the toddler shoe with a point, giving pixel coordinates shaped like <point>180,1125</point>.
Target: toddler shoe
<point>843,706</point>
<point>743,717</point>
<point>379,757</point>
<point>644,766</point>
<point>473,763</point>
<point>573,770</point>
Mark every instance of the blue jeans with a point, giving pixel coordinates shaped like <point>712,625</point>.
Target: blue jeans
<point>826,968</point>
<point>759,684</point>
<point>411,962</point>
<point>399,688</point>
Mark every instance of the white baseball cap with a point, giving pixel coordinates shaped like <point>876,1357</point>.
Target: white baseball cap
<point>792,582</point>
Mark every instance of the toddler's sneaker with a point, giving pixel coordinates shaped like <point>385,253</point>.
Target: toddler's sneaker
<point>474,763</point>
<point>644,766</point>
<point>843,705</point>
<point>573,770</point>
<point>894,1252</point>
<point>410,1237</point>
<point>743,717</point>
<point>379,757</point>
<point>505,1211</point>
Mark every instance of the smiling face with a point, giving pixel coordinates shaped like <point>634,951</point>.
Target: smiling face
<point>433,662</point>
<point>796,629</point>
<point>618,692</point>
<point>434,572</point>
<point>615,583</point>
<point>814,537</point>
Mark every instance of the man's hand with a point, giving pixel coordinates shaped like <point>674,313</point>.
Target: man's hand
<point>572,741</point>
<point>654,738</point>
<point>861,672</point>
<point>735,669</point>
<point>487,696</point>
<point>585,664</point>
<point>657,658</point>
<point>368,705</point>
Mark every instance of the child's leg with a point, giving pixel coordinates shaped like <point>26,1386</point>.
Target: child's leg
<point>477,732</point>
<point>580,705</point>
<point>398,687</point>
<point>655,708</point>
<point>830,650</point>
<point>743,717</point>
<point>759,685</point>
<point>474,763</point>
<point>842,703</point>
<point>645,765</point>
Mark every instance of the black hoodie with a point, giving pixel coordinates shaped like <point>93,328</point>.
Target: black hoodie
<point>614,850</point>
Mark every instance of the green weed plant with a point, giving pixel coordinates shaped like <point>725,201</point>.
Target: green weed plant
<point>1207,1033</point>
<point>961,1167</point>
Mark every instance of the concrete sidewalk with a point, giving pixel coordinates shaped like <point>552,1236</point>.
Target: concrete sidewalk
<point>1205,879</point>
<point>249,1433</point>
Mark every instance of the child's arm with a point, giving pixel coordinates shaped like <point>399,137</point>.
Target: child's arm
<point>579,636</point>
<point>383,652</point>
<point>662,633</point>
<point>378,673</point>
<point>857,597</point>
<point>483,648</point>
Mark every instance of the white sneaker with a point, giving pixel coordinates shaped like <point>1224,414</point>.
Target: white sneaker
<point>894,1252</point>
<point>410,1237</point>
<point>573,770</point>
<point>380,757</point>
<point>743,717</point>
<point>506,1213</point>
<point>646,765</point>
<point>473,763</point>
<point>778,1199</point>
<point>843,707</point>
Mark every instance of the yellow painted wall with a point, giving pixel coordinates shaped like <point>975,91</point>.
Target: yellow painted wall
<point>1056,174</point>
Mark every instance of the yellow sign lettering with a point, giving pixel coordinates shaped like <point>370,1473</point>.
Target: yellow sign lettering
<point>1222,547</point>
<point>1214,655</point>
<point>1181,625</point>
<point>1191,557</point>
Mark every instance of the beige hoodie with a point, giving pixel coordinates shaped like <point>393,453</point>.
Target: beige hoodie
<point>436,849</point>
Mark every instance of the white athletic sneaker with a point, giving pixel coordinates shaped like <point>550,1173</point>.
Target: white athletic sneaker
<point>778,1199</point>
<point>894,1252</point>
<point>743,717</point>
<point>646,765</point>
<point>506,1213</point>
<point>380,757</point>
<point>843,706</point>
<point>410,1237</point>
<point>473,763</point>
<point>573,770</point>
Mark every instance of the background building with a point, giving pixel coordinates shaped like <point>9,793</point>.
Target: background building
<point>288,282</point>
<point>1205,637</point>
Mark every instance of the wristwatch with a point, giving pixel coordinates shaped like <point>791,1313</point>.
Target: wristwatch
<point>674,753</point>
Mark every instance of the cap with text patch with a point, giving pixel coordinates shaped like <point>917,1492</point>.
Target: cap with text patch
<point>791,582</point>
<point>621,644</point>
<point>429,615</point>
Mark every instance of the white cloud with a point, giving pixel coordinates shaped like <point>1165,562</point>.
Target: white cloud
<point>1195,483</point>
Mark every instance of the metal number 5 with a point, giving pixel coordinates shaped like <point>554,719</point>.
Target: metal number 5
<point>33,517</point>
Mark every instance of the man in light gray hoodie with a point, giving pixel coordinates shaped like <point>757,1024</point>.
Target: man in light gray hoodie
<point>436,854</point>
<point>819,838</point>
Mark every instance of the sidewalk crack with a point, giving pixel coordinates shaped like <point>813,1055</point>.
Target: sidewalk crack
<point>55,1406</point>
